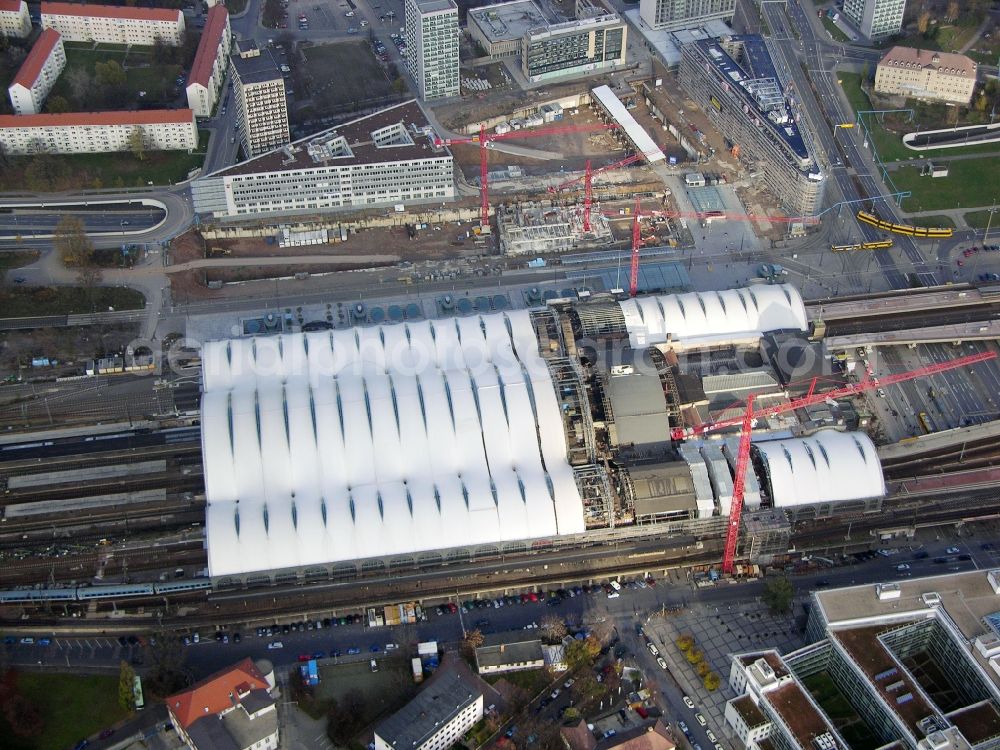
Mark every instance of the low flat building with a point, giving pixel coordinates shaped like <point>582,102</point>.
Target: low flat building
<point>927,75</point>
<point>233,709</point>
<point>15,20</point>
<point>112,24</point>
<point>208,71</point>
<point>509,652</point>
<point>98,132</point>
<point>442,712</point>
<point>382,159</point>
<point>38,74</point>
<point>500,28</point>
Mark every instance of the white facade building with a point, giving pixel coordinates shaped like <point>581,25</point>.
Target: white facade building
<point>876,18</point>
<point>259,95</point>
<point>208,72</point>
<point>672,15</point>
<point>927,75</point>
<point>384,159</point>
<point>98,132</point>
<point>432,37</point>
<point>38,74</point>
<point>441,713</point>
<point>14,18</point>
<point>109,24</point>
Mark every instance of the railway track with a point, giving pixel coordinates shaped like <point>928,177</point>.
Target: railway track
<point>18,466</point>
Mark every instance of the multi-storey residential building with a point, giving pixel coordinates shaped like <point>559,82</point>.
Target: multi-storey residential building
<point>259,93</point>
<point>14,18</point>
<point>672,15</point>
<point>234,708</point>
<point>925,74</point>
<point>913,665</point>
<point>432,37</point>
<point>735,82</point>
<point>876,18</point>
<point>209,68</point>
<point>38,74</point>
<point>98,132</point>
<point>589,45</point>
<point>441,713</point>
<point>110,24</point>
<point>383,159</point>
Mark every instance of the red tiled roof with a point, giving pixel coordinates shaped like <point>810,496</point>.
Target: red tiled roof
<point>10,6</point>
<point>143,117</point>
<point>208,47</point>
<point>40,51</point>
<point>212,695</point>
<point>110,11</point>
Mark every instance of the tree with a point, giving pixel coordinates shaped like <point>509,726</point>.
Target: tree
<point>553,629</point>
<point>694,656</point>
<point>110,73</point>
<point>711,682</point>
<point>703,668</point>
<point>923,21</point>
<point>345,718</point>
<point>137,144</point>
<point>582,652</point>
<point>473,640</point>
<point>271,16</point>
<point>72,243</point>
<point>126,686</point>
<point>399,85</point>
<point>778,595</point>
<point>81,83</point>
<point>952,13</point>
<point>685,643</point>
<point>22,715</point>
<point>165,655</point>
<point>57,105</point>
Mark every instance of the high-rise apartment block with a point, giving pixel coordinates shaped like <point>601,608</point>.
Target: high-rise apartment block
<point>259,92</point>
<point>876,18</point>
<point>38,74</point>
<point>432,47</point>
<point>14,18</point>
<point>684,14</point>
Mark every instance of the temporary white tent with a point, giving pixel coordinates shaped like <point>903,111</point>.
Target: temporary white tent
<point>387,440</point>
<point>713,317</point>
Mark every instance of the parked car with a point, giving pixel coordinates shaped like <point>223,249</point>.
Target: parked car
<point>275,644</point>
<point>688,702</point>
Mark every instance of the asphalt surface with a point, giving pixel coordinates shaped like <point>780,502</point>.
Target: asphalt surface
<point>123,221</point>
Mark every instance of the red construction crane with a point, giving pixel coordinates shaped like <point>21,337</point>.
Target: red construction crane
<point>750,414</point>
<point>724,216</point>
<point>484,138</point>
<point>606,168</point>
<point>588,193</point>
<point>633,279</point>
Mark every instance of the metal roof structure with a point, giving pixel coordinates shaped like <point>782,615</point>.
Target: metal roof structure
<point>663,489</point>
<point>635,132</point>
<point>640,409</point>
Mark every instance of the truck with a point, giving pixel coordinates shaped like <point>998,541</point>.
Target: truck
<point>771,271</point>
<point>418,669</point>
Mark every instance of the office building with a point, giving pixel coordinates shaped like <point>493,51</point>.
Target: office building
<point>670,15</point>
<point>14,18</point>
<point>446,708</point>
<point>259,95</point>
<point>737,86</point>
<point>876,18</point>
<point>383,159</point>
<point>208,72</point>
<point>112,24</point>
<point>38,74</point>
<point>432,47</point>
<point>925,74</point>
<point>98,132</point>
<point>233,709</point>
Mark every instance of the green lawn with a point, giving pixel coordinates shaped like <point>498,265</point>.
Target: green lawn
<point>835,32</point>
<point>73,706</point>
<point>979,219</point>
<point>963,187</point>
<point>946,38</point>
<point>16,258</point>
<point>19,302</point>
<point>140,72</point>
<point>532,681</point>
<point>825,692</point>
<point>330,89</point>
<point>931,221</point>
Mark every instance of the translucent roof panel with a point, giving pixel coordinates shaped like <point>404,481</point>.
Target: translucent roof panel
<point>381,441</point>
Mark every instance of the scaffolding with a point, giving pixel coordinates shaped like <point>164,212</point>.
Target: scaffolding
<point>538,228</point>
<point>598,498</point>
<point>575,407</point>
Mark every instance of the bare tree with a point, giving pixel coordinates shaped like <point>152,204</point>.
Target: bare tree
<point>72,243</point>
<point>552,629</point>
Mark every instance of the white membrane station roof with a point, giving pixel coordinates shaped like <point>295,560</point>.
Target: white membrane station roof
<point>386,440</point>
<point>713,317</point>
<point>828,466</point>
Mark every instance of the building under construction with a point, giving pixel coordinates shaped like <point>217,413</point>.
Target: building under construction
<point>538,228</point>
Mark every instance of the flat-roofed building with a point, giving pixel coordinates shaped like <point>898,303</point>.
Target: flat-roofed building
<point>259,93</point>
<point>588,45</point>
<point>927,75</point>
<point>876,18</point>
<point>736,84</point>
<point>98,132</point>
<point>672,15</point>
<point>38,74</point>
<point>432,37</point>
<point>382,159</point>
<point>14,18</point>
<point>111,24</point>
<point>210,62</point>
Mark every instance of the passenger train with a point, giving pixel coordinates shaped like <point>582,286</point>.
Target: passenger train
<point>87,593</point>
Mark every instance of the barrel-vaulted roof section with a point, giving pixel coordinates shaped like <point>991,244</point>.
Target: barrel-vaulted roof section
<point>713,317</point>
<point>388,440</point>
<point>827,466</point>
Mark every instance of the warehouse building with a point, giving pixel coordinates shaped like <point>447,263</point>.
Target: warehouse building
<point>927,75</point>
<point>111,24</point>
<point>380,160</point>
<point>38,74</point>
<point>737,86</point>
<point>15,21</point>
<point>98,132</point>
<point>208,72</point>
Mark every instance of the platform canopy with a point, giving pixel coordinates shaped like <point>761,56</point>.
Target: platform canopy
<point>381,441</point>
<point>713,318</point>
<point>828,466</point>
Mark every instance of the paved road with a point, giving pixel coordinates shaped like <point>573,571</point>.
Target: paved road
<point>24,221</point>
